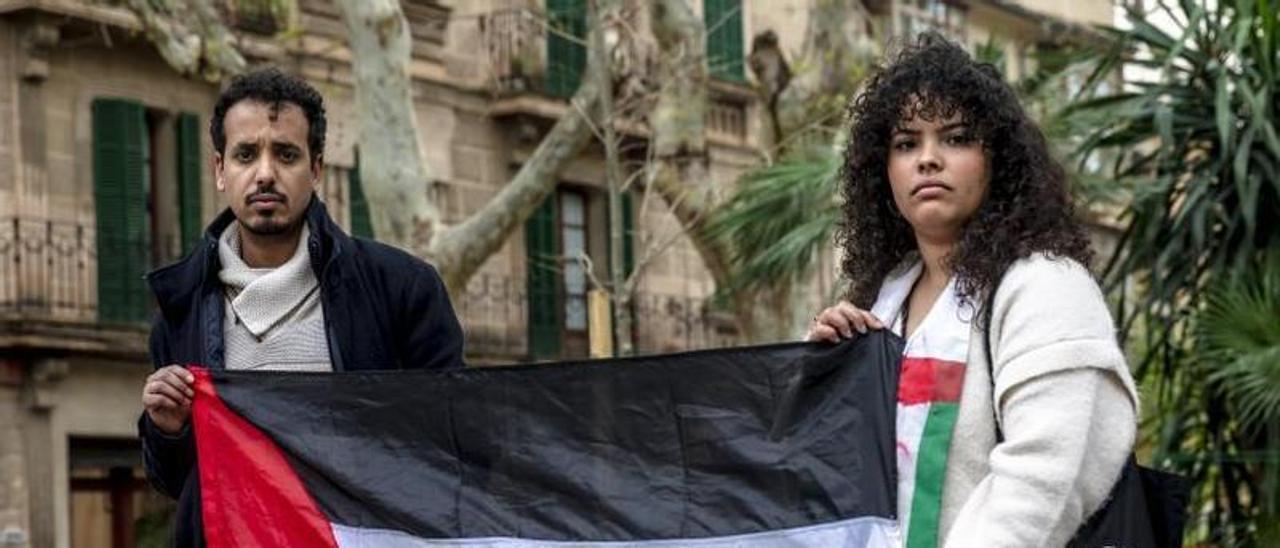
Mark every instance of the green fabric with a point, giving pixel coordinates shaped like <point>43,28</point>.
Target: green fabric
<point>543,282</point>
<point>566,57</point>
<point>931,470</point>
<point>723,19</point>
<point>120,150</point>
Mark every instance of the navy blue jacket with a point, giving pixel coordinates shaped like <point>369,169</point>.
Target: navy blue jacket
<point>383,309</point>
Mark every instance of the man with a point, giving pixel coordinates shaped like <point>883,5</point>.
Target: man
<point>275,284</point>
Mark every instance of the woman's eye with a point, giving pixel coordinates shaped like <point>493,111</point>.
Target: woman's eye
<point>904,144</point>
<point>960,139</point>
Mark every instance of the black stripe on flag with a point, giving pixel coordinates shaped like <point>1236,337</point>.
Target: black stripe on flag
<point>700,444</point>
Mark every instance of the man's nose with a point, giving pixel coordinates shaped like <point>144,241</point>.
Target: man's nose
<point>264,171</point>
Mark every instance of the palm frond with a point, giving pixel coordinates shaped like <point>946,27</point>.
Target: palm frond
<point>1192,131</point>
<point>779,219</point>
<point>1240,337</point>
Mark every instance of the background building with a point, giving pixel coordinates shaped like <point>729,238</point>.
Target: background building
<point>104,175</point>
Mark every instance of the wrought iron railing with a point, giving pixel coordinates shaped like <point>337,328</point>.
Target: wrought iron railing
<point>494,314</point>
<point>47,269</point>
<point>515,43</point>
<point>516,50</point>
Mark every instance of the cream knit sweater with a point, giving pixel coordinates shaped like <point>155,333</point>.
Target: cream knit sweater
<point>1067,411</point>
<point>272,317</point>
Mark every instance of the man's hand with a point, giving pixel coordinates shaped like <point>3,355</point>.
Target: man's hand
<point>167,398</point>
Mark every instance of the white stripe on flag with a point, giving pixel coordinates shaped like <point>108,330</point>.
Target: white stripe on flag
<point>911,419</point>
<point>866,532</point>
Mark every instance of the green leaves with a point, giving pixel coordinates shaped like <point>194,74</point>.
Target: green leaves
<point>1240,338</point>
<point>1195,130</point>
<point>779,218</point>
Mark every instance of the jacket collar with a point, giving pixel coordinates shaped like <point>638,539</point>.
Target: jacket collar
<point>175,284</point>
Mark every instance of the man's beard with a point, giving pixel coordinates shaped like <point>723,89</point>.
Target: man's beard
<point>271,226</point>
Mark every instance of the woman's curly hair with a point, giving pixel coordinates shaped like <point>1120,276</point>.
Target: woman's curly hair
<point>1027,208</point>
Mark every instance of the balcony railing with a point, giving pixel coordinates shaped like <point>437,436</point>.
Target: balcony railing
<point>493,312</point>
<point>48,270</point>
<point>515,46</point>
<point>515,43</point>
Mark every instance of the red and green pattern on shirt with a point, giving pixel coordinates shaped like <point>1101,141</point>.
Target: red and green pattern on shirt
<point>928,398</point>
<point>929,387</point>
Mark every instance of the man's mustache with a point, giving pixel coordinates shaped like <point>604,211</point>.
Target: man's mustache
<point>266,195</point>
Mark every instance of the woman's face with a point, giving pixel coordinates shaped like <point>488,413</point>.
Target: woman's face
<point>939,173</point>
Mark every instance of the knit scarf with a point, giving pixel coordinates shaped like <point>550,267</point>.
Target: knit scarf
<point>929,385</point>
<point>263,298</point>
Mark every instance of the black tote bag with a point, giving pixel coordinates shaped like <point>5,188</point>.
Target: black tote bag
<point>1146,509</point>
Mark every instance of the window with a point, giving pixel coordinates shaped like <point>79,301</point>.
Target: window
<point>147,196</point>
<point>723,19</point>
<point>566,49</point>
<point>541,253</point>
<point>121,157</point>
<point>109,501</point>
<point>557,236</point>
<point>573,240</point>
<point>189,185</point>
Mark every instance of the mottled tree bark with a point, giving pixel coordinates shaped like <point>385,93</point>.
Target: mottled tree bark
<point>393,169</point>
<point>838,50</point>
<point>680,174</point>
<point>395,173</point>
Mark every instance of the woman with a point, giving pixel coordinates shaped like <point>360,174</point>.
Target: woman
<point>950,195</point>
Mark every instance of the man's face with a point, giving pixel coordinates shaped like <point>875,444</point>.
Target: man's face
<point>266,170</point>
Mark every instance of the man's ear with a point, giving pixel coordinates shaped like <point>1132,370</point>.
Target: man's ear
<point>216,162</point>
<point>317,170</point>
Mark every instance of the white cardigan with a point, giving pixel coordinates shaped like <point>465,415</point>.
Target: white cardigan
<point>1068,413</point>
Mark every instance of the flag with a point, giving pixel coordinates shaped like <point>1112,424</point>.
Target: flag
<point>782,445</point>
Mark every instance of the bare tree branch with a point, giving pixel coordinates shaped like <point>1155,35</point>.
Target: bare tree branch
<point>463,249</point>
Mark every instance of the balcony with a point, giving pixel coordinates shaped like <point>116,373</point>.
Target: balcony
<point>49,290</point>
<point>49,300</point>
<point>493,312</point>
<point>531,71</point>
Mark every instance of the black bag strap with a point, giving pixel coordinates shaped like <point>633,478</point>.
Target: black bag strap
<point>988,313</point>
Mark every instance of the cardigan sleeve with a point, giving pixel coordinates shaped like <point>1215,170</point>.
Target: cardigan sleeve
<point>1067,408</point>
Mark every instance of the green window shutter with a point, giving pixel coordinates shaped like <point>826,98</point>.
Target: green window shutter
<point>628,235</point>
<point>724,38</point>
<point>566,58</point>
<point>360,224</point>
<point>120,150</point>
<point>543,281</point>
<point>189,185</point>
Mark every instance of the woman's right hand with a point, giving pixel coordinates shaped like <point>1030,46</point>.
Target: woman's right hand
<point>840,321</point>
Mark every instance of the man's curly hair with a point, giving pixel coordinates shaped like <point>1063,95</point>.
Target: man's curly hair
<point>1027,208</point>
<point>273,87</point>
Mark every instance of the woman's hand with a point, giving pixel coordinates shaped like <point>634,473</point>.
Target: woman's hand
<point>840,321</point>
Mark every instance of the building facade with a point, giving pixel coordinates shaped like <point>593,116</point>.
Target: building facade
<point>105,174</point>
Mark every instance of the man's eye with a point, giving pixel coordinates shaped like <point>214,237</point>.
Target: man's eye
<point>243,155</point>
<point>289,156</point>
